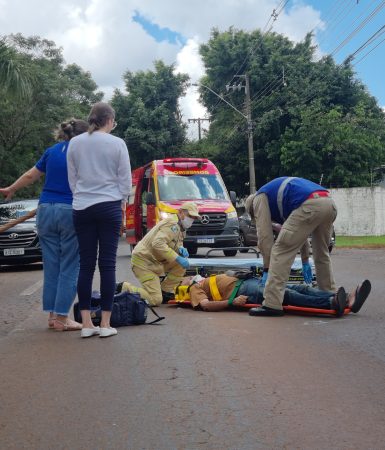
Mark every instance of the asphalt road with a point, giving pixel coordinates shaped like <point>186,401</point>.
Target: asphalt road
<point>199,380</point>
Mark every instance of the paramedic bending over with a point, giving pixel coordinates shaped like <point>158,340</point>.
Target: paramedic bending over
<point>303,208</point>
<point>99,175</point>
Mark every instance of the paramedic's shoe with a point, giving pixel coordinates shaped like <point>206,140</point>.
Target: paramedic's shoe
<point>88,332</point>
<point>107,332</point>
<point>266,311</point>
<point>166,296</point>
<point>339,302</point>
<point>357,299</point>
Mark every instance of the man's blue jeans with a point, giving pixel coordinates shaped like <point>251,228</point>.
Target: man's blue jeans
<point>295,295</point>
<point>59,245</point>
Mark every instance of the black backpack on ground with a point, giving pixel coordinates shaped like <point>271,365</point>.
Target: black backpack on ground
<point>127,309</point>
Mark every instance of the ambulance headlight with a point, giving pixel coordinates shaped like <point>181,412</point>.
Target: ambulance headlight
<point>164,214</point>
<point>232,215</point>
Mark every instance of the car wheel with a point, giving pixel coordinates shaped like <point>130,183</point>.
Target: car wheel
<point>242,243</point>
<point>230,252</point>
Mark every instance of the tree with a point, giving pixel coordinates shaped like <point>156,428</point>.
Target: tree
<point>58,92</point>
<point>148,115</point>
<point>306,121</point>
<point>14,79</point>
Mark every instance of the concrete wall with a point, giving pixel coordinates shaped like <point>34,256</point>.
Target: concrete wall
<point>361,211</point>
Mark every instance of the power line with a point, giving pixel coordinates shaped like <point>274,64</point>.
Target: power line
<point>280,7</point>
<point>372,38</point>
<point>359,27</point>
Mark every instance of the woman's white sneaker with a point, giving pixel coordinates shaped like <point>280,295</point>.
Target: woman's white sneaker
<point>88,332</point>
<point>107,332</point>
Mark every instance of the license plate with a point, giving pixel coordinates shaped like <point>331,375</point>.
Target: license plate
<point>13,251</point>
<point>205,241</point>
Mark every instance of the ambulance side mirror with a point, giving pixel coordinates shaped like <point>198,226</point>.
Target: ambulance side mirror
<point>233,197</point>
<point>150,199</point>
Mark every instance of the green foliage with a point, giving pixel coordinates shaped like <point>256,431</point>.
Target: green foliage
<point>14,78</point>
<point>57,93</point>
<point>148,116</point>
<point>317,122</point>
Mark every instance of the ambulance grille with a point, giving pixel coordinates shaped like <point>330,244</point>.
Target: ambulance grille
<point>212,223</point>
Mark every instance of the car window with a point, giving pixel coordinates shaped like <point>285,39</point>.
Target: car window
<point>14,210</point>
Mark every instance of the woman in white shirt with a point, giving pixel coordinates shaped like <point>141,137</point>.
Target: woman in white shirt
<point>99,174</point>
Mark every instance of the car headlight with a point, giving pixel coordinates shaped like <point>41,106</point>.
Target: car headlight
<point>232,215</point>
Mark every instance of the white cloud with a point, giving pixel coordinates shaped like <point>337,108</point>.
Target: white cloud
<point>189,61</point>
<point>102,38</point>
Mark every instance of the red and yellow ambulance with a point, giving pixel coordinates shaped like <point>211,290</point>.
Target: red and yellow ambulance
<point>161,186</point>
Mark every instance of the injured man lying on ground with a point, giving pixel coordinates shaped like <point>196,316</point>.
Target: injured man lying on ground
<point>222,291</point>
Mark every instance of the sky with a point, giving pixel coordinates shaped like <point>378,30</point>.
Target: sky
<point>109,37</point>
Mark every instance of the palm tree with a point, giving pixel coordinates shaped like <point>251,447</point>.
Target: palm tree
<point>13,77</point>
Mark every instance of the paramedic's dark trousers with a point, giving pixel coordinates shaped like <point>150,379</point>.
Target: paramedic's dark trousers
<point>98,229</point>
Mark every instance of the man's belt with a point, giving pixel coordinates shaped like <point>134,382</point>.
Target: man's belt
<point>318,194</point>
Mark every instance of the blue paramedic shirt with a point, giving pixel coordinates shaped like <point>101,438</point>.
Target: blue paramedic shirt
<point>290,196</point>
<point>54,164</point>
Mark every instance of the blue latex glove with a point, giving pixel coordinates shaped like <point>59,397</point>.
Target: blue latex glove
<point>307,273</point>
<point>183,252</point>
<point>183,262</point>
<point>263,280</point>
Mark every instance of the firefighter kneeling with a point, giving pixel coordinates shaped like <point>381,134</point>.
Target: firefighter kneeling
<point>161,253</point>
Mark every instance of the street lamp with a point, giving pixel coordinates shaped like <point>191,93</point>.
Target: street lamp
<point>249,127</point>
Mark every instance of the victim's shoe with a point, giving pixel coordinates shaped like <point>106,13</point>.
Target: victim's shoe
<point>357,299</point>
<point>339,302</point>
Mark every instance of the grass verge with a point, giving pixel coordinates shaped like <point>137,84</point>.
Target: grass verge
<point>360,241</point>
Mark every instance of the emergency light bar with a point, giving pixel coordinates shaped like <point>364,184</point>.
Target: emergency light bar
<point>186,162</point>
<point>179,160</point>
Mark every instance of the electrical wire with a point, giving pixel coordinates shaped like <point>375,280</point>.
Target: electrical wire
<point>375,36</point>
<point>337,18</point>
<point>359,28</point>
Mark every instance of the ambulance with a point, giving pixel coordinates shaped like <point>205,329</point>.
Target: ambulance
<point>161,186</point>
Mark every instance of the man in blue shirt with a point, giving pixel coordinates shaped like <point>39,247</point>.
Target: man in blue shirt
<point>303,208</point>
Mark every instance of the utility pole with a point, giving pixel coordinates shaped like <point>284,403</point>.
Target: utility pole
<point>250,137</point>
<point>249,128</point>
<point>199,120</point>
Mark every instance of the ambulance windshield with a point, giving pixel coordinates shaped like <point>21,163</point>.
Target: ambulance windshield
<point>194,187</point>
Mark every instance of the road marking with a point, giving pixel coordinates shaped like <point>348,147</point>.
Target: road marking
<point>32,289</point>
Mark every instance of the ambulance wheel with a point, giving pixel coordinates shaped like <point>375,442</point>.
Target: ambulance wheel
<point>192,250</point>
<point>230,252</point>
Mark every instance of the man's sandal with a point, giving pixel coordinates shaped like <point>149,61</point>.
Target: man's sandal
<point>362,293</point>
<point>339,302</point>
<point>68,325</point>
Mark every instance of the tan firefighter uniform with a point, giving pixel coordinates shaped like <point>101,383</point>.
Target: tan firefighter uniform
<point>155,255</point>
